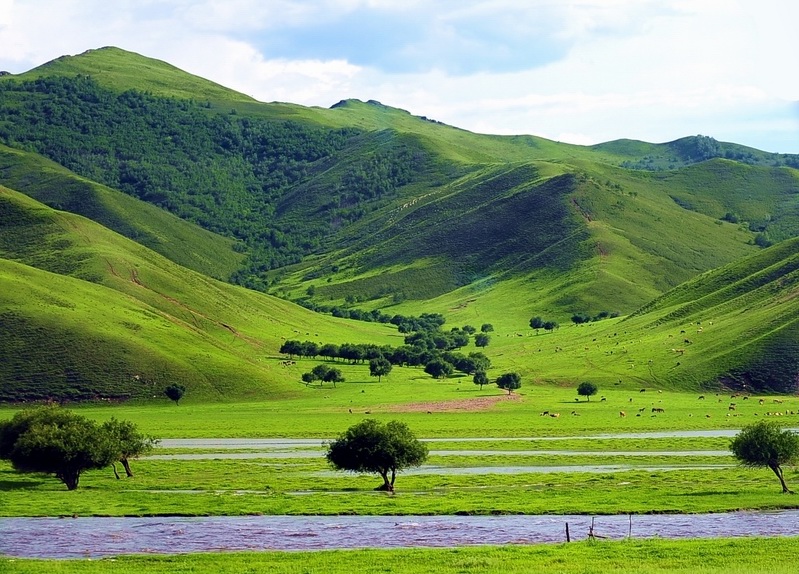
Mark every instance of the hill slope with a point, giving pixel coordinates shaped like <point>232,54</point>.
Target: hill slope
<point>86,313</point>
<point>363,202</point>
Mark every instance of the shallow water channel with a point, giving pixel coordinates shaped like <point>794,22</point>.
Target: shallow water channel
<point>95,537</point>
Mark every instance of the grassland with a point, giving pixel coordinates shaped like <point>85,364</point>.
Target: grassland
<point>731,556</point>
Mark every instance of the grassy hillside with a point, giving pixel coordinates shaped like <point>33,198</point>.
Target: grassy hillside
<point>121,70</point>
<point>367,203</point>
<point>184,243</point>
<point>87,313</point>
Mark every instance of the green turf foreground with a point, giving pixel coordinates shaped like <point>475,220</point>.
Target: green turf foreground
<point>744,555</point>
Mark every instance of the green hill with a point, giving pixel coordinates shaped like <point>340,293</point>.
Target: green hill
<point>172,237</point>
<point>86,313</point>
<point>365,206</point>
<point>406,209</point>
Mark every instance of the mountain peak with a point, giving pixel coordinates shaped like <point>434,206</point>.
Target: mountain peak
<point>121,70</point>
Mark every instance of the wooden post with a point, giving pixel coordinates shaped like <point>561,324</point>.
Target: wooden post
<point>568,538</point>
<point>630,531</point>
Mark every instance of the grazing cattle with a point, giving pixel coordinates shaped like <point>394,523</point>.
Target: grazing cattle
<point>761,401</point>
<point>778,401</point>
<point>545,413</point>
<point>602,399</point>
<point>658,410</point>
<point>642,391</point>
<point>746,398</point>
<point>731,407</point>
<point>555,415</point>
<point>701,397</point>
<point>622,414</point>
<point>642,409</point>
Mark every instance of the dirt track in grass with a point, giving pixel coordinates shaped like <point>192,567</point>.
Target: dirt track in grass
<point>455,405</point>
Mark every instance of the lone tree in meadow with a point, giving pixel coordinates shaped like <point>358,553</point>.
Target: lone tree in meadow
<point>587,390</point>
<point>480,378</point>
<point>379,367</point>
<point>482,340</point>
<point>51,440</point>
<point>175,392</point>
<point>509,381</point>
<point>764,443</point>
<point>373,447</point>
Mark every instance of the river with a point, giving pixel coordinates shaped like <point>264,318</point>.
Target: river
<point>96,537</point>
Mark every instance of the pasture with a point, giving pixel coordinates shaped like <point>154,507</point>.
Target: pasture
<point>497,431</point>
<point>731,556</point>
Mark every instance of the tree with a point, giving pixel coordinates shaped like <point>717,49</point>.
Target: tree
<point>333,376</point>
<point>481,340</point>
<point>374,447</point>
<point>509,381</point>
<point>439,369</point>
<point>480,378</point>
<point>379,367</point>
<point>54,441</point>
<point>486,328</point>
<point>550,325</point>
<point>175,392</point>
<point>764,443</point>
<point>587,389</point>
<point>291,348</point>
<point>130,442</point>
<point>536,323</point>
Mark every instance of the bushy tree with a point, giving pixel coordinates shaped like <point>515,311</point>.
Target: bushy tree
<point>509,381</point>
<point>175,392</point>
<point>536,323</point>
<point>480,378</point>
<point>587,390</point>
<point>56,441</point>
<point>486,328</point>
<point>379,367</point>
<point>439,369</point>
<point>481,340</point>
<point>323,373</point>
<point>764,443</point>
<point>373,447</point>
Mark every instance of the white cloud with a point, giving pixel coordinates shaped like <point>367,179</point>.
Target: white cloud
<point>582,71</point>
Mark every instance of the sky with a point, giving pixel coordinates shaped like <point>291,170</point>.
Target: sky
<point>583,71</point>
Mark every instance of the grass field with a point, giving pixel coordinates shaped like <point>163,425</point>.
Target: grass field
<point>730,556</point>
<point>448,409</point>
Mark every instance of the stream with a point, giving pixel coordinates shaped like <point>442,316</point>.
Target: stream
<point>96,537</point>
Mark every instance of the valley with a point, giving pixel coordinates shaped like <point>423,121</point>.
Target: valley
<point>159,229</point>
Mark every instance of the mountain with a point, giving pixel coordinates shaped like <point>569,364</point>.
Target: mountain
<point>135,193</point>
<point>437,213</point>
